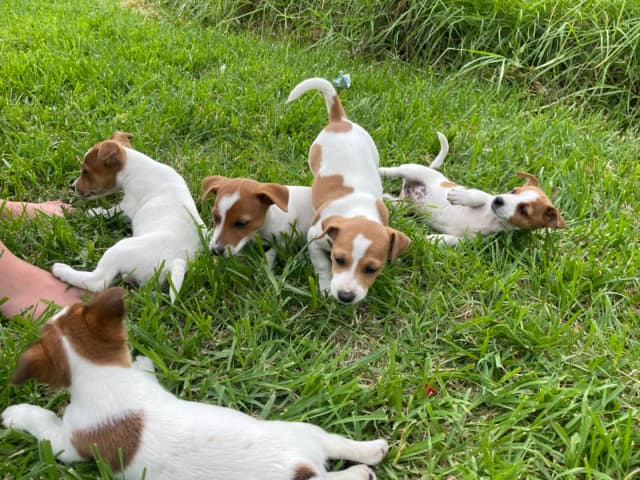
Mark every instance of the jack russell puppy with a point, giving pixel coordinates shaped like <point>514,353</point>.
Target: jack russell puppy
<point>458,212</point>
<point>166,225</point>
<point>350,220</point>
<point>119,410</point>
<point>245,208</point>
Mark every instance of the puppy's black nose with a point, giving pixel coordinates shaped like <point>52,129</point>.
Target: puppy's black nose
<point>346,296</point>
<point>217,251</point>
<point>498,202</point>
<point>72,185</point>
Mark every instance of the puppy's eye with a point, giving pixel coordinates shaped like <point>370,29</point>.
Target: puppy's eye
<point>370,269</point>
<point>216,218</point>
<point>522,210</point>
<point>85,171</point>
<point>240,223</point>
<point>340,260</point>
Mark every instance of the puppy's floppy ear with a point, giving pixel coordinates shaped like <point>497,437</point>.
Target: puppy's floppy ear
<point>32,361</point>
<point>106,309</point>
<point>553,218</point>
<point>531,179</point>
<point>111,154</point>
<point>273,193</point>
<point>123,138</point>
<point>398,243</point>
<point>331,226</point>
<point>211,185</point>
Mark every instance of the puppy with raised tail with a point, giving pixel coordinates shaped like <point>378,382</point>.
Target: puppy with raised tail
<point>119,410</point>
<point>245,208</point>
<point>458,212</point>
<point>350,222</point>
<point>165,222</point>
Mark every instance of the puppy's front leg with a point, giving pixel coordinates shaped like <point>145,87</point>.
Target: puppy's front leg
<point>104,212</point>
<point>444,239</point>
<point>321,264</point>
<point>44,425</point>
<point>468,197</point>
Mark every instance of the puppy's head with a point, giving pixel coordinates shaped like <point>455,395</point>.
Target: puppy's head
<point>359,251</point>
<point>240,209</point>
<point>100,168</point>
<point>94,333</point>
<point>527,207</point>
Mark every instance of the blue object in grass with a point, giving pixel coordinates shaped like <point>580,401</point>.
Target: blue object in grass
<point>343,81</point>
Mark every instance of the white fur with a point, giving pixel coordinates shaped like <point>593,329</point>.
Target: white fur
<point>165,225</point>
<point>354,156</point>
<point>347,281</point>
<point>277,222</point>
<point>456,212</point>
<point>187,440</point>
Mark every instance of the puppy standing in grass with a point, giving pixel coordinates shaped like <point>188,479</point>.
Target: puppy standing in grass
<point>245,208</point>
<point>351,220</point>
<point>458,212</point>
<point>165,222</point>
<point>119,409</point>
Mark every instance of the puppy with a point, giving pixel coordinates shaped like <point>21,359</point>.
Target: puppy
<point>458,212</point>
<point>350,220</point>
<point>165,222</point>
<point>119,409</point>
<point>245,208</point>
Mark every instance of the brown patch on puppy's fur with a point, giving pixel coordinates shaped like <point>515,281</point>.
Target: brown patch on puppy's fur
<point>100,167</point>
<point>327,189</point>
<point>382,211</point>
<point>315,157</point>
<point>122,434</point>
<point>304,472</point>
<point>448,184</point>
<point>123,138</point>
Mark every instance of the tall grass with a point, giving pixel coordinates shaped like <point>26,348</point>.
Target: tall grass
<point>559,49</point>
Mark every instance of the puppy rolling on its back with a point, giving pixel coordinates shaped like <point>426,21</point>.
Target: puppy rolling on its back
<point>349,237</point>
<point>458,212</point>
<point>163,216</point>
<point>118,408</point>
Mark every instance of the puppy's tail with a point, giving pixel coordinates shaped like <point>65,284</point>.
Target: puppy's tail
<point>176,274</point>
<point>444,150</point>
<point>334,106</point>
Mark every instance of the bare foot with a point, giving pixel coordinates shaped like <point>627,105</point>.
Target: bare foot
<point>30,289</point>
<point>30,210</point>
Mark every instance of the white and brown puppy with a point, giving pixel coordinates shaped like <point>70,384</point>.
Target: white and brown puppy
<point>165,222</point>
<point>458,212</point>
<point>351,219</point>
<point>245,208</point>
<point>119,410</point>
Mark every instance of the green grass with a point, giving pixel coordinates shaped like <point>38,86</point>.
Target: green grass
<point>530,340</point>
<point>560,49</point>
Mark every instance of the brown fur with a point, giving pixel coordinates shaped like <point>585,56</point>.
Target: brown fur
<point>538,214</point>
<point>448,184</point>
<point>112,439</point>
<point>250,209</point>
<point>315,157</point>
<point>304,472</point>
<point>95,331</point>
<point>386,243</point>
<point>382,211</point>
<point>327,189</point>
<point>123,138</point>
<point>99,169</point>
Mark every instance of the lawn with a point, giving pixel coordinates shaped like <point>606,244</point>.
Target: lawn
<point>529,341</point>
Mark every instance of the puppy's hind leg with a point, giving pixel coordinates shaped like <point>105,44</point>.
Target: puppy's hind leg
<point>357,472</point>
<point>177,271</point>
<point>444,239</point>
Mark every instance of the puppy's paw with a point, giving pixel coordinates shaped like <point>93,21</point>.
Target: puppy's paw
<point>26,417</point>
<point>359,472</point>
<point>458,196</point>
<point>62,271</point>
<point>143,364</point>
<point>375,452</point>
